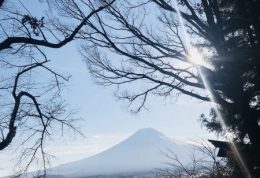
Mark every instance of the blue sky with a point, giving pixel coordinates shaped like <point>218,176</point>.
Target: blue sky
<point>102,113</point>
<point>106,121</point>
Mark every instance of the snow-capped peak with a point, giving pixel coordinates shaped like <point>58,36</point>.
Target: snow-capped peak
<point>143,151</point>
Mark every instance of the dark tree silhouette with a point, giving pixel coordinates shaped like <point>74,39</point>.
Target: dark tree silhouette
<point>148,44</point>
<point>144,43</point>
<point>32,110</point>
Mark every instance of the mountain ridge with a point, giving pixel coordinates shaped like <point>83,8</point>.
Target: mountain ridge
<point>141,152</point>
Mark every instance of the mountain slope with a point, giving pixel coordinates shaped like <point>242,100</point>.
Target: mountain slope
<point>141,152</point>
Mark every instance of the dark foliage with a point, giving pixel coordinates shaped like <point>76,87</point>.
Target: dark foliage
<point>152,49</point>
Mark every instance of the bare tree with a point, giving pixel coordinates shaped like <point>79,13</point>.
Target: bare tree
<point>31,107</point>
<point>154,45</point>
<point>204,163</point>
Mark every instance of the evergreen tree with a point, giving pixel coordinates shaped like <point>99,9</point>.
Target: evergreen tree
<point>152,49</point>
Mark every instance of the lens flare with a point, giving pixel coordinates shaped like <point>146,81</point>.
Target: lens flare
<point>196,57</point>
<point>197,60</point>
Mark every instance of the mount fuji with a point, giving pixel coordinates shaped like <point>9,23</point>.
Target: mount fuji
<point>141,152</point>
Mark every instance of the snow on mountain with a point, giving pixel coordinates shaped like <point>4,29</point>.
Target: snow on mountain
<point>141,152</point>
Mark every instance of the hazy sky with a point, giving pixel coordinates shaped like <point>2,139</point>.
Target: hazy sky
<point>106,121</point>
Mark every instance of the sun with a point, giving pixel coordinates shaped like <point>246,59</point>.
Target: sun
<point>196,57</point>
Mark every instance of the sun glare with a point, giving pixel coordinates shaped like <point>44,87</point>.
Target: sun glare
<point>196,57</point>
